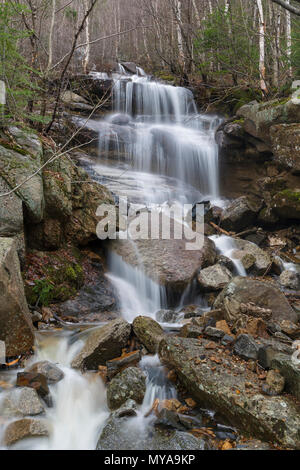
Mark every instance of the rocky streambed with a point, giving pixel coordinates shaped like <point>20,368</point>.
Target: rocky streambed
<point>145,345</point>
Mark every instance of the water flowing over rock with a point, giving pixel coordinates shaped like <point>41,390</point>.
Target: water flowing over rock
<point>131,383</point>
<point>261,260</point>
<point>103,344</point>
<point>16,328</point>
<point>265,295</point>
<point>268,418</point>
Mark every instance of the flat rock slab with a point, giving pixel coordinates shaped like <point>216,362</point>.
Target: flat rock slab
<point>103,344</point>
<point>23,428</point>
<point>222,383</point>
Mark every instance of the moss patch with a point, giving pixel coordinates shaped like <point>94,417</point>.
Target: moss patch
<point>290,195</point>
<point>53,277</point>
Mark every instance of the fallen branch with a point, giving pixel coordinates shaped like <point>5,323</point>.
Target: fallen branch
<point>219,229</point>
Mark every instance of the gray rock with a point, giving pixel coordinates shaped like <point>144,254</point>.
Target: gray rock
<point>129,384</point>
<point>24,428</point>
<point>191,331</point>
<point>125,434</point>
<point>274,383</point>
<point>290,371</point>
<point>289,280</point>
<point>49,370</point>
<point>285,140</point>
<point>240,214</point>
<point>149,332</point>
<point>274,419</point>
<point>214,278</point>
<point>261,259</point>
<point>246,347</point>
<point>16,328</point>
<point>128,409</point>
<point>214,332</point>
<point>262,294</point>
<point>11,212</point>
<point>22,402</point>
<point>103,344</point>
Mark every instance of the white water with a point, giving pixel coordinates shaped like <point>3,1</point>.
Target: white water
<point>226,246</point>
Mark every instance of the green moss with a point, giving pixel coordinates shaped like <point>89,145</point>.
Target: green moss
<point>15,148</point>
<point>239,121</point>
<point>291,195</point>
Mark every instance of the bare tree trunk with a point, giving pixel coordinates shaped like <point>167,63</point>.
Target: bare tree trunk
<point>87,39</point>
<point>50,43</point>
<point>262,69</point>
<point>277,18</point>
<point>289,40</point>
<point>179,33</point>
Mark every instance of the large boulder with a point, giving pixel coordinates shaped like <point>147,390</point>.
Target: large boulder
<point>11,212</point>
<point>240,214</point>
<point>16,328</point>
<point>103,344</point>
<point>214,278</point>
<point>286,204</point>
<point>149,332</point>
<point>18,163</point>
<point>290,370</point>
<point>129,384</point>
<point>260,117</point>
<point>285,140</point>
<point>216,384</point>
<point>262,294</point>
<point>25,428</point>
<point>167,261</point>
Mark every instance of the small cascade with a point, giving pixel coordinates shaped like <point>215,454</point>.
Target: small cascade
<point>226,246</point>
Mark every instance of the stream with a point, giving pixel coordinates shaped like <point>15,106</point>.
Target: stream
<point>153,149</point>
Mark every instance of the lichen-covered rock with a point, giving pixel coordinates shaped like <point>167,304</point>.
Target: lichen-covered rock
<point>149,332</point>
<point>262,294</point>
<point>50,371</point>
<point>16,328</point>
<point>246,347</point>
<point>24,428</point>
<point>290,371</point>
<point>274,383</point>
<point>214,278</point>
<point>11,212</point>
<point>129,384</point>
<point>285,139</point>
<point>225,388</point>
<point>22,402</point>
<point>289,280</point>
<point>103,344</point>
<point>240,214</point>
<point>261,259</point>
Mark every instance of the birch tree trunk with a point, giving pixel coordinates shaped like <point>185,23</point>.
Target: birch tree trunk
<point>289,39</point>
<point>179,33</point>
<point>87,39</point>
<point>262,69</point>
<point>50,41</point>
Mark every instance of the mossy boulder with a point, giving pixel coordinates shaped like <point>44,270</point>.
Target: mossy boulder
<point>286,204</point>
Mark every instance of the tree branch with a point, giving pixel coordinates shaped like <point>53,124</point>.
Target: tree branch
<point>288,6</point>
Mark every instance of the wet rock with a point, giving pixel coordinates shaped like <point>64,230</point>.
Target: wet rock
<point>240,214</point>
<point>260,260</point>
<point>123,434</point>
<point>214,278</point>
<point>52,373</point>
<point>262,294</point>
<point>16,328</point>
<point>103,344</point>
<point>167,261</point>
<point>246,347</point>
<point>25,428</point>
<point>36,381</point>
<point>120,119</point>
<point>120,363</point>
<point>166,316</point>
<point>191,311</point>
<point>274,383</point>
<point>285,140</point>
<point>290,371</point>
<point>226,262</point>
<point>289,280</point>
<point>214,332</point>
<point>191,331</point>
<point>22,402</point>
<point>129,384</point>
<point>274,419</point>
<point>149,332</point>
<point>128,409</point>
<point>170,419</point>
<point>253,444</point>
